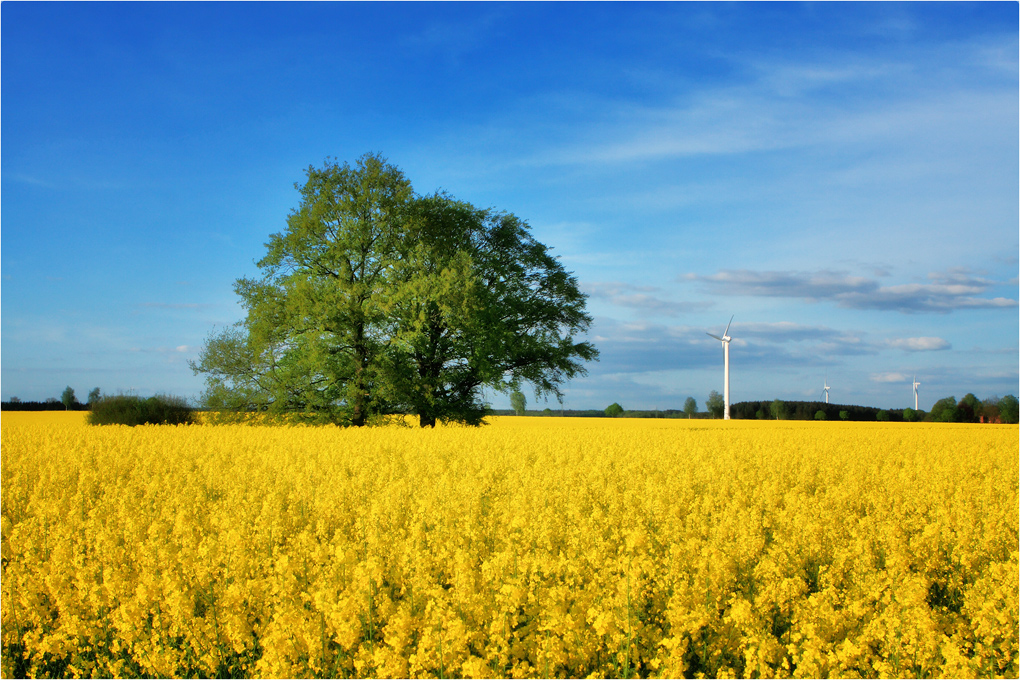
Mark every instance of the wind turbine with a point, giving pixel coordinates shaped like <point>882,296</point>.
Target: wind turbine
<point>725,339</point>
<point>826,389</point>
<point>916,385</point>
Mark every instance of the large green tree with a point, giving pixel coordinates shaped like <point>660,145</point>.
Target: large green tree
<point>376,301</point>
<point>478,302</point>
<point>311,342</point>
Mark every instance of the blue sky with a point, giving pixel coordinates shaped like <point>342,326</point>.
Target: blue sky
<point>841,178</point>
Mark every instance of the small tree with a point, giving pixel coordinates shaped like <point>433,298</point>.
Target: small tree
<point>945,411</point>
<point>819,414</point>
<point>844,415</point>
<point>690,407</point>
<point>989,411</point>
<point>1009,409</point>
<point>882,416</point>
<point>968,409</point>
<point>67,398</point>
<point>518,402</point>
<point>778,409</point>
<point>94,396</point>
<point>614,410</point>
<point>715,404</point>
<point>909,415</point>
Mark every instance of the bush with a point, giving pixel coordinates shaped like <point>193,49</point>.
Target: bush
<point>819,414</point>
<point>125,410</point>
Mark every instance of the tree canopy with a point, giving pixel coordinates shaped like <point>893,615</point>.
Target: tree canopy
<point>690,407</point>
<point>67,398</point>
<point>518,402</point>
<point>375,301</point>
<point>715,404</point>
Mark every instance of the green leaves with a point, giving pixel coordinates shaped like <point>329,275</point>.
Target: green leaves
<point>376,301</point>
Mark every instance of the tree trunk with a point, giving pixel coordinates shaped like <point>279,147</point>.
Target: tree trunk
<point>359,415</point>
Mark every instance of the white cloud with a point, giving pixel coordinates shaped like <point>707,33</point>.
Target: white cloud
<point>889,377</point>
<point>926,344</point>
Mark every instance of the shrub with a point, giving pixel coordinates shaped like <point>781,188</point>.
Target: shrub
<point>614,410</point>
<point>819,414</point>
<point>127,410</point>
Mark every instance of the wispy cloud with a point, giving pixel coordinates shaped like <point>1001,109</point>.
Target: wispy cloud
<point>889,377</point>
<point>640,298</point>
<point>635,347</point>
<point>823,103</point>
<point>165,351</point>
<point>919,344</point>
<point>948,291</point>
<point>175,305</point>
<point>28,179</point>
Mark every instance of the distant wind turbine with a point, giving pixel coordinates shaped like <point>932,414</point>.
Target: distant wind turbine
<point>725,339</point>
<point>826,390</point>
<point>916,385</point>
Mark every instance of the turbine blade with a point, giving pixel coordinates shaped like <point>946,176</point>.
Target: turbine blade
<point>715,336</point>
<point>727,331</point>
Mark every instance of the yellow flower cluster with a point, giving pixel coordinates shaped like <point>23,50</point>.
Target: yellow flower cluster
<point>549,547</point>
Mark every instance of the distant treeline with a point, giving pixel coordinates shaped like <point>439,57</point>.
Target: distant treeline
<point>49,405</point>
<point>969,409</point>
<point>745,410</point>
<point>808,410</point>
<point>596,413</point>
<point>947,410</point>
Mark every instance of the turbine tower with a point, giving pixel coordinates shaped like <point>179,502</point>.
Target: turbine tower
<point>725,339</point>
<point>916,385</point>
<point>826,390</point>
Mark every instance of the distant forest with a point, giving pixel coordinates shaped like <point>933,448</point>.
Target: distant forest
<point>744,410</point>
<point>48,405</point>
<point>808,410</point>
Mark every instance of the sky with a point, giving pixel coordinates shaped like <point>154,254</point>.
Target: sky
<point>841,179</point>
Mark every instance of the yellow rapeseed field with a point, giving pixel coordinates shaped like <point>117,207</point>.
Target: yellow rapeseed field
<point>548,547</point>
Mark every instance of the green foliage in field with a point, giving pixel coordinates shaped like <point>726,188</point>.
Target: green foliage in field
<point>614,410</point>
<point>129,410</point>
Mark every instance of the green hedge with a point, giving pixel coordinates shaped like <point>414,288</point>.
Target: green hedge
<point>158,410</point>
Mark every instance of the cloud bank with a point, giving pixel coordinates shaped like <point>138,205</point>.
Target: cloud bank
<point>947,292</point>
